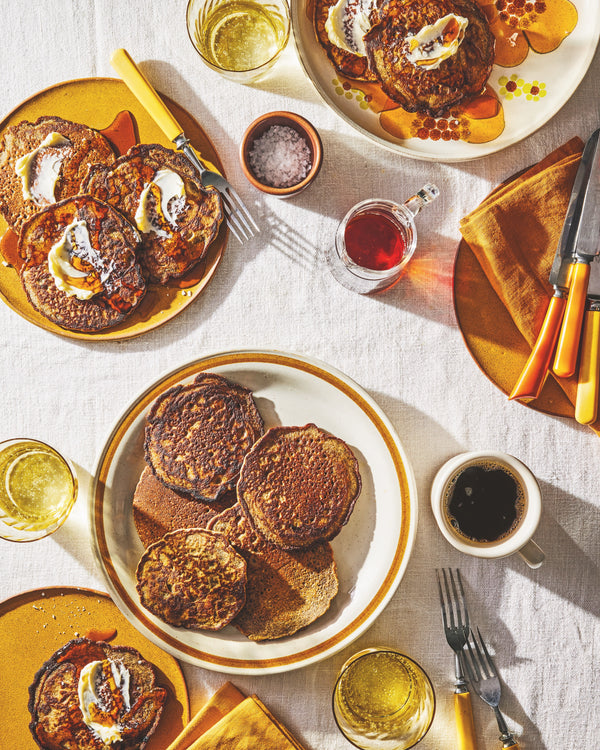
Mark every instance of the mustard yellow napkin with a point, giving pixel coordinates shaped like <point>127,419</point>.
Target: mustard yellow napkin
<point>514,233</point>
<point>229,721</point>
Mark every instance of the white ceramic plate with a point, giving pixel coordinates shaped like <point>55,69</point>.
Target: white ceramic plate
<point>371,552</point>
<point>561,71</point>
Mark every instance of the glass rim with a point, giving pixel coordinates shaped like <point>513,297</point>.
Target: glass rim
<point>240,73</point>
<point>359,656</point>
<point>33,533</point>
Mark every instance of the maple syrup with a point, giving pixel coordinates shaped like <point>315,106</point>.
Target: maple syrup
<point>374,240</point>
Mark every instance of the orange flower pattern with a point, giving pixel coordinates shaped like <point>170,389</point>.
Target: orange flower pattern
<point>521,25</point>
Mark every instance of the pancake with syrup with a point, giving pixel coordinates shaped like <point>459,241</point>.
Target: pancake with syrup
<point>90,695</point>
<point>44,162</point>
<point>429,55</point>
<point>298,485</point>
<point>160,192</point>
<point>192,578</point>
<point>286,590</point>
<point>197,435</point>
<point>158,509</point>
<point>79,264</point>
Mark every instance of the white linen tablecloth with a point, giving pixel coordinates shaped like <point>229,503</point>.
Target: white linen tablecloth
<point>404,348</point>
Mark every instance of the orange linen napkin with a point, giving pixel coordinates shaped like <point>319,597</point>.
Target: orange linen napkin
<point>514,233</point>
<point>231,722</point>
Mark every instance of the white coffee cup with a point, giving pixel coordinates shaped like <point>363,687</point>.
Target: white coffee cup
<point>519,538</point>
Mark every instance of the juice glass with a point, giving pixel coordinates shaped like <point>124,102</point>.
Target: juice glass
<point>383,700</point>
<point>240,39</point>
<point>375,241</point>
<point>38,488</point>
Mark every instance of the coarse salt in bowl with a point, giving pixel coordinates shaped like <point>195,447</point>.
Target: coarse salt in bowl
<point>281,153</point>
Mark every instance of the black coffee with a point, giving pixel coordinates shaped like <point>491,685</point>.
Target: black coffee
<point>484,502</point>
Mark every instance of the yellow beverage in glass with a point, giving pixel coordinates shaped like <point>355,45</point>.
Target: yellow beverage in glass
<point>37,489</point>
<point>383,700</point>
<point>239,38</point>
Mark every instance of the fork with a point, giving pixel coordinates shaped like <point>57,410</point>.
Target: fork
<point>485,680</point>
<point>455,618</point>
<point>238,218</point>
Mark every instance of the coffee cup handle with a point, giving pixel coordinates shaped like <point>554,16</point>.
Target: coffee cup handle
<point>532,554</point>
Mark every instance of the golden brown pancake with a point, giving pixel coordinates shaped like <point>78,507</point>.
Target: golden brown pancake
<point>352,66</point>
<point>103,248</point>
<point>298,485</point>
<point>57,721</point>
<point>158,509</point>
<point>198,434</point>
<point>181,227</point>
<point>432,91</point>
<point>82,147</point>
<point>286,590</point>
<point>192,578</point>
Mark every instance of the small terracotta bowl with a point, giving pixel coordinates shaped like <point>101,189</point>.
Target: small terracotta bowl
<point>256,129</point>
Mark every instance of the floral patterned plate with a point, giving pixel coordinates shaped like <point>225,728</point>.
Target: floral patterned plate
<point>543,50</point>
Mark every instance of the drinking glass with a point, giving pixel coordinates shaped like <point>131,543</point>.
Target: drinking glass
<point>375,241</point>
<point>383,700</point>
<point>38,488</point>
<point>240,39</point>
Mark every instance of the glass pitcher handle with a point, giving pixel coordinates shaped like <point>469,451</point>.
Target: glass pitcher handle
<point>425,195</point>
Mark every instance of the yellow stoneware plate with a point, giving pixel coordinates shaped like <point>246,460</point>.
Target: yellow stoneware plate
<point>35,624</point>
<point>371,551</point>
<point>96,102</point>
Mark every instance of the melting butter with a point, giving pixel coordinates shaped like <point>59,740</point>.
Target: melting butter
<point>38,185</point>
<point>348,21</point>
<point>436,42</point>
<point>60,261</point>
<point>171,190</point>
<point>103,719</point>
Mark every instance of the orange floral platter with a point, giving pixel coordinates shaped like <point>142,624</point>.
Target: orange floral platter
<point>543,50</point>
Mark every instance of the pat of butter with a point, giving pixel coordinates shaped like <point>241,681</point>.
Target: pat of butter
<point>98,717</point>
<point>436,42</point>
<point>347,23</point>
<point>40,187</point>
<point>59,260</point>
<point>172,192</point>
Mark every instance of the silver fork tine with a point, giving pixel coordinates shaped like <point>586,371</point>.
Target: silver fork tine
<point>485,679</point>
<point>243,212</point>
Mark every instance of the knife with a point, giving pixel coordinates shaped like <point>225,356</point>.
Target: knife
<point>533,375</point>
<point>586,403</point>
<point>586,246</point>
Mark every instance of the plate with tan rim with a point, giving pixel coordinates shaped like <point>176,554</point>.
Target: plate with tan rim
<point>371,551</point>
<point>36,623</point>
<point>96,102</point>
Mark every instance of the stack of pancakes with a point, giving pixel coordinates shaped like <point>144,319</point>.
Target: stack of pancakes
<point>394,29</point>
<point>217,486</point>
<point>114,225</point>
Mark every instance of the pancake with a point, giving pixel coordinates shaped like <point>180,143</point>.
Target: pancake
<point>348,64</point>
<point>100,259</point>
<point>193,579</point>
<point>66,161</point>
<point>298,485</point>
<point>158,509</point>
<point>415,86</point>
<point>286,590</point>
<point>161,193</point>
<point>197,435</point>
<point>57,721</point>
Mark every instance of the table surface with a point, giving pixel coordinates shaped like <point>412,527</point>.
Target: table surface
<point>404,348</point>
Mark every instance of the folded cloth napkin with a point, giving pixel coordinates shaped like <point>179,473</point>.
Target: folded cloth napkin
<point>514,233</point>
<point>230,721</point>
